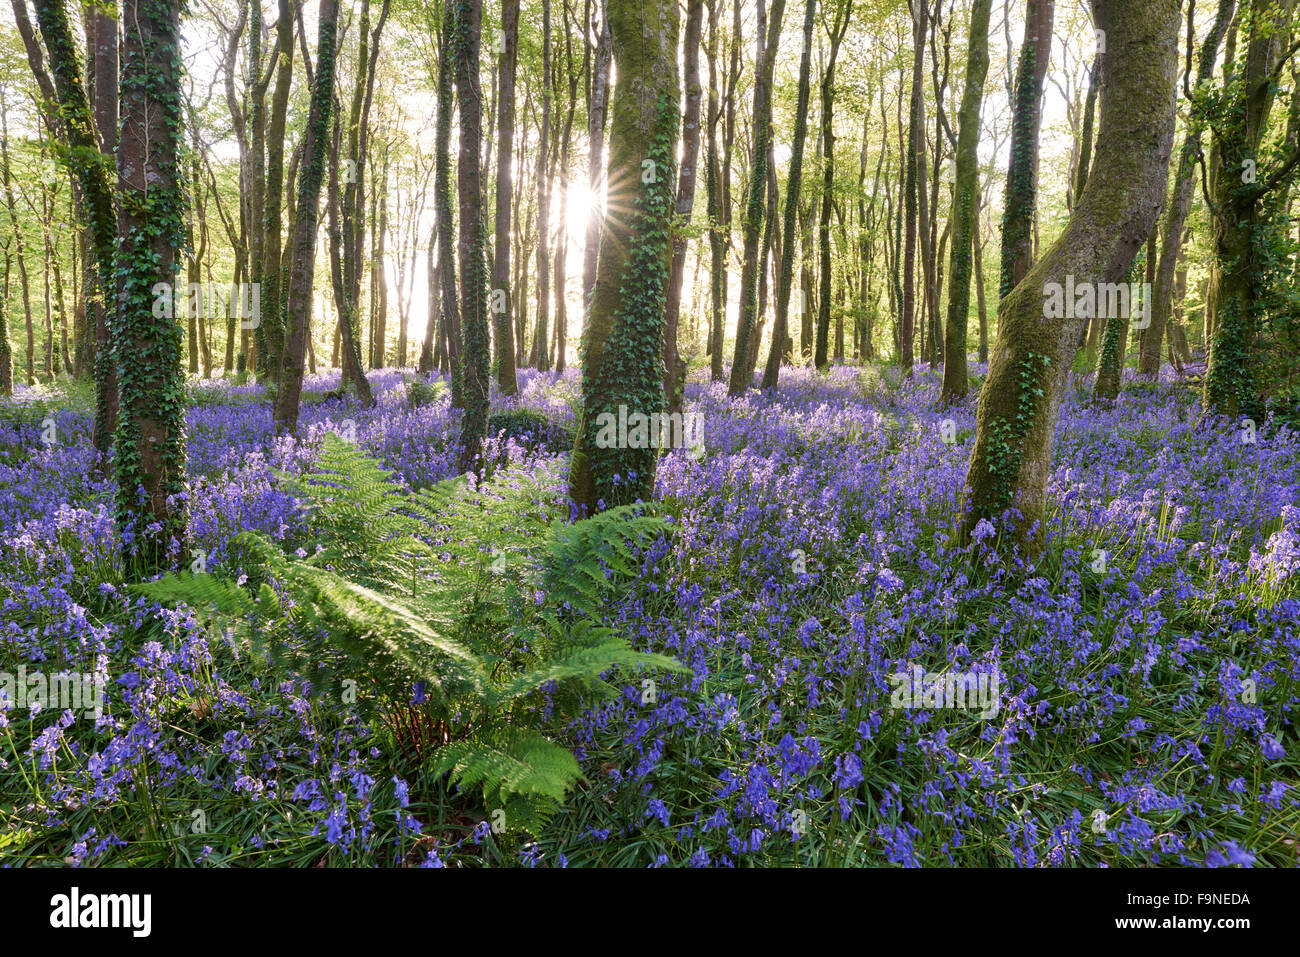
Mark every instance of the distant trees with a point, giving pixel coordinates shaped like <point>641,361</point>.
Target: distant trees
<point>785,272</point>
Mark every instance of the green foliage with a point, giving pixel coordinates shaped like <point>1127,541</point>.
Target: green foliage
<point>530,428</point>
<point>423,392</point>
<point>430,602</point>
<point>1006,442</point>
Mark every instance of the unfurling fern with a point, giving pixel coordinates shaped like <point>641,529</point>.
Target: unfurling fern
<point>468,599</point>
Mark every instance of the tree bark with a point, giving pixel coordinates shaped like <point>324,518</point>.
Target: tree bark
<point>623,341</point>
<point>310,177</point>
<point>742,374</point>
<point>1022,173</point>
<point>503,321</point>
<point>955,382</point>
<point>150,436</point>
<point>472,235</point>
<point>674,367</point>
<point>1031,363</point>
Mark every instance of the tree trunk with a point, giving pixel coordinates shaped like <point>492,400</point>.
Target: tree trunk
<point>828,187</point>
<point>1180,204</point>
<point>310,177</point>
<point>794,184</point>
<point>965,206</point>
<point>446,225</point>
<point>271,327</point>
<point>1022,173</point>
<point>90,159</point>
<point>742,374</point>
<point>150,439</point>
<point>623,341</point>
<point>674,367</point>
<point>503,323</point>
<point>596,118</point>
<point>1032,359</point>
<point>473,234</point>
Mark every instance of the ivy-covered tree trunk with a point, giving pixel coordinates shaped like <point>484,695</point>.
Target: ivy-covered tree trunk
<point>622,346</point>
<point>1248,200</point>
<point>1180,204</point>
<point>91,167</point>
<point>742,374</point>
<point>472,235</point>
<point>501,311</point>
<point>1022,175</point>
<point>311,175</point>
<point>955,381</point>
<point>147,341</point>
<point>794,185</point>
<point>1032,359</point>
<point>674,367</point>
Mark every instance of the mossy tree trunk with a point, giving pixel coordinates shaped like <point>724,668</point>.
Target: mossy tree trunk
<point>150,435</point>
<point>1114,346</point>
<point>1248,207</point>
<point>472,236</point>
<point>1031,361</point>
<point>955,382</point>
<point>622,346</point>
<point>449,317</point>
<point>1180,204</point>
<point>91,160</point>
<point>1022,174</point>
<point>270,331</point>
<point>503,321</point>
<point>311,175</point>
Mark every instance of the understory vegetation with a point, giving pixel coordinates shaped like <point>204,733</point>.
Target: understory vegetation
<point>372,662</point>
